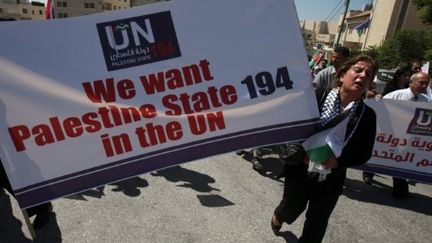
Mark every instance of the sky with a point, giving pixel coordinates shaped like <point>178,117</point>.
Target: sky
<point>325,9</point>
<point>319,9</point>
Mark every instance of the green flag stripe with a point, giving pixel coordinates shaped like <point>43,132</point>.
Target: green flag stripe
<point>319,154</point>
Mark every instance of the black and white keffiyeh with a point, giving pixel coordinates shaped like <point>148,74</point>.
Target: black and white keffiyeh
<point>332,108</point>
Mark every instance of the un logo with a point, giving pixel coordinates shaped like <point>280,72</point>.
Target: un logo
<point>421,123</point>
<point>138,40</point>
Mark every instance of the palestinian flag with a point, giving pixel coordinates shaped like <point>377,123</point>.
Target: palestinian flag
<point>316,59</point>
<point>321,146</point>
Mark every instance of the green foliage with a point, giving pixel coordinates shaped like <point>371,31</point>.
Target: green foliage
<point>403,48</point>
<point>372,52</point>
<point>424,8</point>
<point>428,54</point>
<point>356,52</point>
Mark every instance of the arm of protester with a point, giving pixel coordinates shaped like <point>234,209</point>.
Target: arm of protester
<point>317,82</point>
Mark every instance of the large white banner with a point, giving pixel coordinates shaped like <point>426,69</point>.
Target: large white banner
<point>90,100</point>
<point>403,142</point>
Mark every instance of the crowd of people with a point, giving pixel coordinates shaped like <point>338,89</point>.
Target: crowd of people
<point>408,83</point>
<point>340,88</point>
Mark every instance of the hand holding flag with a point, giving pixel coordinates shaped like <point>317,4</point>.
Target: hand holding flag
<point>325,147</point>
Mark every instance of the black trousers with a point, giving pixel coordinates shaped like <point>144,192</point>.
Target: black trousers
<point>400,185</point>
<point>301,191</point>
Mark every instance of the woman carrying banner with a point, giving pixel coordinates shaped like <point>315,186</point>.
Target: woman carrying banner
<point>321,194</point>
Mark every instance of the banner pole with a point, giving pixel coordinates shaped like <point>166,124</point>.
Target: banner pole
<point>28,223</point>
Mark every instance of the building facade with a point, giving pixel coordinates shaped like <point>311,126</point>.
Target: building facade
<point>21,10</point>
<point>72,8</point>
<point>355,29</point>
<point>390,16</point>
<point>28,10</point>
<point>365,28</point>
<point>318,35</point>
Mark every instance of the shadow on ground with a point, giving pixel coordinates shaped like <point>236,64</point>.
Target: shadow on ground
<point>380,193</point>
<point>196,181</point>
<point>191,179</point>
<point>130,187</point>
<point>10,227</point>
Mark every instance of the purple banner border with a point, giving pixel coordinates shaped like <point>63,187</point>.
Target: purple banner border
<point>126,168</point>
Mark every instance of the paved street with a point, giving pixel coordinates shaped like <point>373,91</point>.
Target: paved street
<point>220,199</point>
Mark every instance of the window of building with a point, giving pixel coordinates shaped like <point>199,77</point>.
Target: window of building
<point>24,10</point>
<point>114,7</point>
<point>62,15</point>
<point>1,10</point>
<point>40,12</point>
<point>61,4</point>
<point>89,5</point>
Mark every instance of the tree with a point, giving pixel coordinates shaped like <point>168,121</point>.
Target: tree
<point>372,52</point>
<point>403,48</point>
<point>424,8</point>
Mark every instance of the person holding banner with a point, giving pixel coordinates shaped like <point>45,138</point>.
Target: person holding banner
<point>417,91</point>
<point>341,105</point>
<point>400,80</point>
<point>42,211</point>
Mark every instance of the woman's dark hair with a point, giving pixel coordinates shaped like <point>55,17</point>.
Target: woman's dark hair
<point>394,83</point>
<point>399,72</point>
<point>351,62</point>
